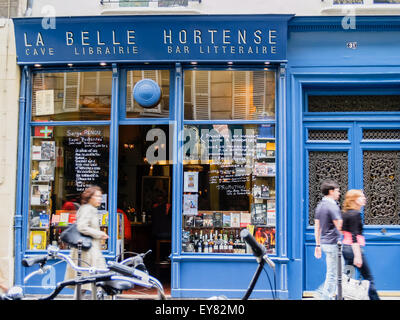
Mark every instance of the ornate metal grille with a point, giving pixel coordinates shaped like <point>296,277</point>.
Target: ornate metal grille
<point>324,165</point>
<point>353,103</point>
<point>382,187</point>
<point>381,134</point>
<point>327,135</point>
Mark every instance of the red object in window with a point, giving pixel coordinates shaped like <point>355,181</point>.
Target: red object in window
<point>127,225</point>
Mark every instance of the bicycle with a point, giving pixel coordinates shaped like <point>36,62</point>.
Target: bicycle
<point>262,258</point>
<point>117,277</point>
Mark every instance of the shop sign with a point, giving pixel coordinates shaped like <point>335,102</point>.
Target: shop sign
<point>152,38</point>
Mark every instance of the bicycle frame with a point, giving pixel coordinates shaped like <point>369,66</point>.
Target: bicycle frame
<point>135,276</point>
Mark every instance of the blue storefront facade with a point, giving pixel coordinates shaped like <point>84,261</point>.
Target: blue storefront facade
<point>331,103</point>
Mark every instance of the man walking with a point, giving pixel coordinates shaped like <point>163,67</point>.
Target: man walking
<point>328,223</point>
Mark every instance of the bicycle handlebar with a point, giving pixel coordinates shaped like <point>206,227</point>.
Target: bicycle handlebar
<point>258,250</point>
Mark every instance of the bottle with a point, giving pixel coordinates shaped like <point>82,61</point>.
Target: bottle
<point>225,243</point>
<point>210,244</point>
<point>221,243</point>
<point>144,217</point>
<point>216,248</point>
<point>200,243</point>
<point>230,244</point>
<point>205,244</point>
<point>196,243</point>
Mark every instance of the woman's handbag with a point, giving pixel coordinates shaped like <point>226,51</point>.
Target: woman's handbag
<point>354,289</point>
<point>71,235</point>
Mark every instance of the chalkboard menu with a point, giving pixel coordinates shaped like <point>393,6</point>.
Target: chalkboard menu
<point>86,157</point>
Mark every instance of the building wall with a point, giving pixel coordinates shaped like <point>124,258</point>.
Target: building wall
<point>9,92</point>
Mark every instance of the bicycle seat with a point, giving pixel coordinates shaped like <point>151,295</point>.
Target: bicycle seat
<point>115,286</point>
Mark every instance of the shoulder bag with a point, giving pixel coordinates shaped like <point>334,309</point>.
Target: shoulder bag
<point>71,235</point>
<point>354,289</point>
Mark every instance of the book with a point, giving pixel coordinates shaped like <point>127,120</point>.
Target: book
<point>189,221</point>
<point>208,220</point>
<point>235,220</point>
<point>44,220</point>
<point>46,170</point>
<point>34,218</point>
<point>264,169</point>
<point>55,219</point>
<point>37,240</point>
<point>271,213</point>
<point>48,150</point>
<point>104,219</point>
<point>64,217</point>
<point>259,214</point>
<point>36,152</point>
<point>198,221</point>
<point>264,191</point>
<point>256,191</point>
<point>245,219</point>
<point>261,150</point>
<point>35,195</point>
<point>226,220</point>
<point>270,152</point>
<point>217,219</point>
<point>45,196</point>
<point>72,218</point>
<point>271,168</point>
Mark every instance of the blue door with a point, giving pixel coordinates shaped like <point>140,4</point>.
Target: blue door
<point>362,152</point>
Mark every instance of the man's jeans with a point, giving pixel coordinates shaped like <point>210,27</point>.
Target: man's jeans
<point>327,290</point>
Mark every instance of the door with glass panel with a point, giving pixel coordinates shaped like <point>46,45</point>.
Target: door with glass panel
<point>358,155</point>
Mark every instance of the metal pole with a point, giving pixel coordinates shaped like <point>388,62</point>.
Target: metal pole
<point>78,293</point>
<point>339,273</point>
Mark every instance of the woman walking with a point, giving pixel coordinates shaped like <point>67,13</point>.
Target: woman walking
<point>87,220</point>
<point>353,240</point>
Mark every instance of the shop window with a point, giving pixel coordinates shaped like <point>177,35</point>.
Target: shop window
<point>64,161</point>
<point>133,109</point>
<point>67,96</point>
<point>229,95</point>
<point>228,184</point>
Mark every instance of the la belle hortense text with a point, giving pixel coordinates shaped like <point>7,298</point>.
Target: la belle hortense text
<point>211,41</point>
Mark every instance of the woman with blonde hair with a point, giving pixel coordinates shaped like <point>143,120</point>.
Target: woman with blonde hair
<point>353,240</point>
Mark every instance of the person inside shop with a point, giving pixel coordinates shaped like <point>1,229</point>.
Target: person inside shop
<point>71,204</point>
<point>353,239</point>
<point>127,229</point>
<point>87,220</point>
<point>161,221</point>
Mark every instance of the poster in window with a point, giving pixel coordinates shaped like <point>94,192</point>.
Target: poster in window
<point>37,240</point>
<point>46,170</point>
<point>190,204</point>
<point>44,102</point>
<point>48,150</point>
<point>191,179</point>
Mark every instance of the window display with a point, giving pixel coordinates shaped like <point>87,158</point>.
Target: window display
<point>64,161</point>
<point>229,184</point>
